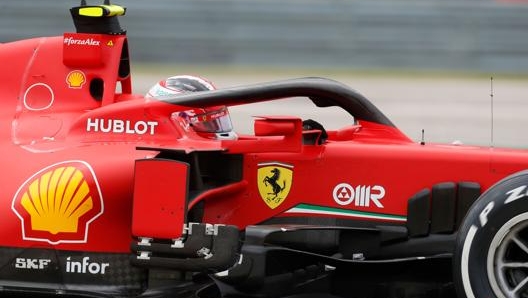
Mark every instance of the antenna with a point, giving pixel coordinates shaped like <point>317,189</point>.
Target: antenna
<point>107,2</point>
<point>83,2</point>
<point>422,142</point>
<point>492,116</point>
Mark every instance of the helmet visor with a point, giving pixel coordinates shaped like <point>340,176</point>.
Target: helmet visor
<point>217,121</point>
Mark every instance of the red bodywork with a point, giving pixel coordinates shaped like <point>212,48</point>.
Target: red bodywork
<point>72,132</point>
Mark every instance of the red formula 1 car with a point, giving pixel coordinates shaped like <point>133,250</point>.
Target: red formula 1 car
<point>106,193</point>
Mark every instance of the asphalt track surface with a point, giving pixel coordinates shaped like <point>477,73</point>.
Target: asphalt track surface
<point>448,107</point>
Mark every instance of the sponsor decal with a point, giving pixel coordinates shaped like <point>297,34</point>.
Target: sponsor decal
<point>90,41</point>
<point>274,181</point>
<point>361,195</point>
<point>58,203</point>
<point>33,264</point>
<point>110,43</point>
<point>75,79</point>
<point>121,126</point>
<point>84,266</point>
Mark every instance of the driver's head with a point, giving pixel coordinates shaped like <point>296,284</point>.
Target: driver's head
<point>210,122</point>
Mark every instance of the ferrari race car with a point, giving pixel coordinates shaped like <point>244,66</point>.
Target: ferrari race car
<point>106,194</point>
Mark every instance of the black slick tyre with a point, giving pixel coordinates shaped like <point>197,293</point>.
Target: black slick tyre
<point>491,251</point>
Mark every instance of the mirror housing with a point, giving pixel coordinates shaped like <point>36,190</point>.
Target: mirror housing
<point>272,134</point>
<point>274,127</point>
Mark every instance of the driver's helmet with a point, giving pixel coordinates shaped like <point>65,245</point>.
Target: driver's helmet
<point>180,84</point>
<point>210,122</point>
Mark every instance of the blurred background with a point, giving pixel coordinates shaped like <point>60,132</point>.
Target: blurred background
<point>427,64</point>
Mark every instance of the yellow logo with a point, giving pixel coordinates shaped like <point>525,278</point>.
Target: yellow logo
<point>76,79</point>
<point>58,203</point>
<point>274,182</point>
<point>110,43</point>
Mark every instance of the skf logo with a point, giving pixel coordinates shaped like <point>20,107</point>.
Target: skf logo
<point>58,203</point>
<point>274,182</point>
<point>362,195</point>
<point>34,264</point>
<point>75,79</point>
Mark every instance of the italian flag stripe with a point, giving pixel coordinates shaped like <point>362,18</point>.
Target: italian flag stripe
<point>314,209</point>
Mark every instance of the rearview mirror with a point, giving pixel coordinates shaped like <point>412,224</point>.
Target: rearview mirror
<point>275,126</point>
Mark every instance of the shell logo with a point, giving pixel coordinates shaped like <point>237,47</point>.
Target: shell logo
<point>76,79</point>
<point>58,203</point>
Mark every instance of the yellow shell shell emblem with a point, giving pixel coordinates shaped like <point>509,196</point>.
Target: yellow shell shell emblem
<point>76,79</point>
<point>274,182</point>
<point>58,203</point>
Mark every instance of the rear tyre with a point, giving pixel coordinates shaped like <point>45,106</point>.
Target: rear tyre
<point>491,252</point>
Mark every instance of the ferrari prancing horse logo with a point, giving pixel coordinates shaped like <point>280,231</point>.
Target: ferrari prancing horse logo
<point>274,182</point>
